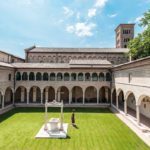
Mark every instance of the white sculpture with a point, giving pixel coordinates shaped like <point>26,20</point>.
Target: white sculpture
<point>54,104</point>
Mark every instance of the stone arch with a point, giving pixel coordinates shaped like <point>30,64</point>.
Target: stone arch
<point>77,94</point>
<point>1,98</point>
<point>49,94</point>
<point>35,94</point>
<point>21,95</point>
<point>131,103</point>
<point>91,94</point>
<point>114,93</point>
<point>144,109</point>
<point>8,96</point>
<point>63,94</point>
<point>120,95</point>
<point>105,94</point>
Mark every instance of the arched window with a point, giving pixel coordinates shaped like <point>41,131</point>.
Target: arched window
<point>80,76</point>
<point>18,76</point>
<point>101,76</point>
<point>45,76</point>
<point>108,76</point>
<point>24,76</point>
<point>87,77</point>
<point>38,76</point>
<point>31,76</point>
<point>94,77</point>
<point>52,77</point>
<point>73,77</point>
<point>9,76</point>
<point>59,77</point>
<point>66,77</point>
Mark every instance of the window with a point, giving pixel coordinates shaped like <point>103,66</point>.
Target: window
<point>87,77</point>
<point>66,77</point>
<point>9,77</point>
<point>52,77</point>
<point>73,77</point>
<point>38,76</point>
<point>80,76</point>
<point>94,77</point>
<point>145,106</point>
<point>108,76</point>
<point>59,77</point>
<point>18,76</point>
<point>45,76</point>
<point>31,76</point>
<point>24,76</point>
<point>101,76</point>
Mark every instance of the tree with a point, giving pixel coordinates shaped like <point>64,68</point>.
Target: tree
<point>139,47</point>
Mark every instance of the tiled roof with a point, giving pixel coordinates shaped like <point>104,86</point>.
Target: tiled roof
<point>11,54</point>
<point>89,62</point>
<point>78,50</point>
<point>41,65</point>
<point>3,64</point>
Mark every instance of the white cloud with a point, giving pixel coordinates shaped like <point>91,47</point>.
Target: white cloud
<point>91,12</point>
<point>137,20</point>
<point>100,3</point>
<point>67,11</point>
<point>112,15</point>
<point>81,29</point>
<point>78,15</point>
<point>70,29</point>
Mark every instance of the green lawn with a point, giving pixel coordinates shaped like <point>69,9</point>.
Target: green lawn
<point>98,129</point>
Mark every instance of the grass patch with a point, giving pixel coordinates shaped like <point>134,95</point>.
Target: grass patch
<point>98,129</point>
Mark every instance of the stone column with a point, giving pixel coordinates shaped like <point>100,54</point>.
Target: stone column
<point>106,94</point>
<point>3,101</point>
<point>111,95</point>
<point>34,94</point>
<point>125,107</point>
<point>70,97</point>
<point>27,97</point>
<point>13,98</point>
<point>83,96</point>
<point>56,94</point>
<point>97,96</point>
<point>22,94</point>
<point>138,114</point>
<point>59,95</point>
<point>46,94</point>
<point>41,96</point>
<point>116,100</point>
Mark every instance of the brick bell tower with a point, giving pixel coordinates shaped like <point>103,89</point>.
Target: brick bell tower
<point>124,33</point>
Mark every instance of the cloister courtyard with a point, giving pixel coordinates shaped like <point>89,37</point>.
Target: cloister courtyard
<point>97,129</point>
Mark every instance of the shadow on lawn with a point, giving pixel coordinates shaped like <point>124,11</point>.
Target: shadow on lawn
<point>54,110</point>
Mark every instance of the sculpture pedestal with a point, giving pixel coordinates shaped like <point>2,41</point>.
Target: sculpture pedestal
<point>54,124</point>
<point>51,133</point>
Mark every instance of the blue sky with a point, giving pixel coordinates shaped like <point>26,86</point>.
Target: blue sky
<point>65,23</point>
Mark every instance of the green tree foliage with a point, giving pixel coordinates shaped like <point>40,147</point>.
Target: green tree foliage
<point>140,46</point>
